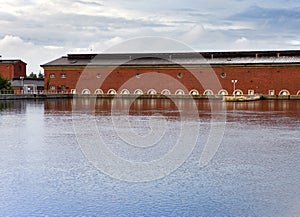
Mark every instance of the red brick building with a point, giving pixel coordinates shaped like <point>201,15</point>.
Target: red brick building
<point>217,73</point>
<point>11,69</point>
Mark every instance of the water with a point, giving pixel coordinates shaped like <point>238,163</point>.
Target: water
<point>43,171</point>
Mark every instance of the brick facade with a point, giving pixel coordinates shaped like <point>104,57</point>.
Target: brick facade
<point>10,69</point>
<point>255,78</point>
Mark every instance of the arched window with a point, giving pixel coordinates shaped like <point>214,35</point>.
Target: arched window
<point>238,92</point>
<point>138,92</point>
<point>284,93</point>
<point>86,91</point>
<point>125,91</point>
<point>112,91</point>
<point>194,92</point>
<point>166,92</point>
<point>179,92</point>
<point>298,93</point>
<point>98,91</point>
<point>223,92</point>
<point>208,92</point>
<point>152,92</point>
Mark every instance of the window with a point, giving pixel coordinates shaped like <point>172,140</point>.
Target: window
<point>98,75</point>
<point>138,75</point>
<point>223,75</point>
<point>52,87</point>
<point>179,75</point>
<point>52,75</point>
<point>271,92</point>
<point>250,92</point>
<point>63,75</point>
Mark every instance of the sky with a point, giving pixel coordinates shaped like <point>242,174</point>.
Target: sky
<point>38,31</point>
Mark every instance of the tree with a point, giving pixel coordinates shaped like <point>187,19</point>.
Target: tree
<point>40,75</point>
<point>32,75</point>
<point>4,83</point>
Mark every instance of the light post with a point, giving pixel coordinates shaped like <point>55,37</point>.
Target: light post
<point>234,82</point>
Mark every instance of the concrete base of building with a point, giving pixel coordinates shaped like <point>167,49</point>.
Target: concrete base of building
<point>145,96</point>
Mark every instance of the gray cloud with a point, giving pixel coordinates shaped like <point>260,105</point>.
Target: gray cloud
<point>78,25</point>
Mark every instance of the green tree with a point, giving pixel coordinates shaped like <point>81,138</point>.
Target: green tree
<point>32,75</point>
<point>40,75</point>
<point>4,83</point>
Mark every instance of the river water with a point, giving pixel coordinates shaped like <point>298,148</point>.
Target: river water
<point>46,171</point>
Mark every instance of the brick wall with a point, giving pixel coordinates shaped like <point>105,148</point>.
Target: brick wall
<point>260,78</point>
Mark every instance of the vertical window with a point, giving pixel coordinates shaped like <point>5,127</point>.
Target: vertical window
<point>250,92</point>
<point>271,92</point>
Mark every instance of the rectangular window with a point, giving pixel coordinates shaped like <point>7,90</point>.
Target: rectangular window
<point>52,75</point>
<point>271,92</point>
<point>250,92</point>
<point>63,75</point>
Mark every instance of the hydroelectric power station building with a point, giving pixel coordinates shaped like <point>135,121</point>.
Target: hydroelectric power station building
<point>204,73</point>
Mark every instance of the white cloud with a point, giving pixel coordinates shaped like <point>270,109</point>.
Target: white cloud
<point>13,47</point>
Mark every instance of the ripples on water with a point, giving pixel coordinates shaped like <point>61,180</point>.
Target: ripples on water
<point>255,172</point>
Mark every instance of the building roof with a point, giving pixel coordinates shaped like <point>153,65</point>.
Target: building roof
<point>17,82</point>
<point>189,58</point>
<point>10,61</point>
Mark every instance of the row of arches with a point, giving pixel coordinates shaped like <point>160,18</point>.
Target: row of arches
<point>207,92</point>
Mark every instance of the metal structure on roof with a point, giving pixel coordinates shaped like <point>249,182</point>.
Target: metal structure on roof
<point>191,58</point>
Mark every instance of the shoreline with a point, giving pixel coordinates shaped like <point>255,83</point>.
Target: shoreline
<point>146,96</point>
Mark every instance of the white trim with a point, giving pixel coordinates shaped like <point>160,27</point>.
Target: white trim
<point>179,92</point>
<point>98,91</point>
<point>138,92</point>
<point>284,93</point>
<point>73,91</point>
<point>238,92</point>
<point>298,93</point>
<point>166,92</point>
<point>151,92</point>
<point>86,91</point>
<point>125,91</point>
<point>223,92</point>
<point>208,92</point>
<point>112,91</point>
<point>194,92</point>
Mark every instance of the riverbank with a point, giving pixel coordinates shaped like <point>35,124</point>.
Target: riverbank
<point>157,96</point>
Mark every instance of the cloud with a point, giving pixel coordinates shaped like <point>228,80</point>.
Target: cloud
<point>34,55</point>
<point>41,30</point>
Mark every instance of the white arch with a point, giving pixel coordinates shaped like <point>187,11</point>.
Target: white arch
<point>223,92</point>
<point>112,91</point>
<point>166,92</point>
<point>179,92</point>
<point>284,93</point>
<point>238,92</point>
<point>138,92</point>
<point>98,91</point>
<point>208,92</point>
<point>125,91</point>
<point>298,93</point>
<point>86,91</point>
<point>152,92</point>
<point>194,92</point>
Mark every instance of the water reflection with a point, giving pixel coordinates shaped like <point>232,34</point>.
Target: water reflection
<point>255,172</point>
